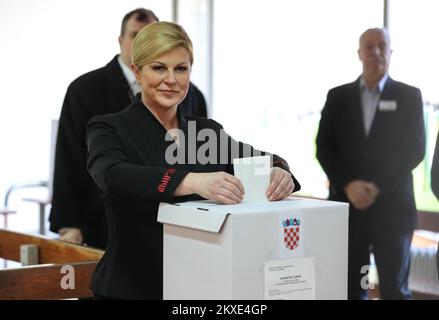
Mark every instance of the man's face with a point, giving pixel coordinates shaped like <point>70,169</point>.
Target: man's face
<point>374,53</point>
<point>126,40</point>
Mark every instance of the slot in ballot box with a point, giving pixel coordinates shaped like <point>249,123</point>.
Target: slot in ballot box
<point>290,249</point>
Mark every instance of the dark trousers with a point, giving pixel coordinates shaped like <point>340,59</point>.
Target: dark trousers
<point>391,249</point>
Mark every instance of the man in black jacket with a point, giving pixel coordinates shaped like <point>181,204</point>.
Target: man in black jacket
<point>77,213</point>
<point>371,137</point>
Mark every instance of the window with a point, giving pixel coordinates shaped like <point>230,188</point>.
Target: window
<point>194,16</point>
<point>274,62</point>
<point>414,61</point>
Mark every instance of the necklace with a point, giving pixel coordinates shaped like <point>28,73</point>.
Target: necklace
<point>173,132</point>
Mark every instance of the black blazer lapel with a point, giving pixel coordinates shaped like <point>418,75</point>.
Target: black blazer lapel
<point>118,86</point>
<point>356,111</point>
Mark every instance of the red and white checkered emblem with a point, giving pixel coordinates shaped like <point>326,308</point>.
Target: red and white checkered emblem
<point>291,237</point>
<point>291,233</point>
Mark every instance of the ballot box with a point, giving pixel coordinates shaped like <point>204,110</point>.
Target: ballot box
<point>291,249</point>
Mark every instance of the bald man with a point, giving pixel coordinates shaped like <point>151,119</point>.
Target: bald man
<point>371,136</point>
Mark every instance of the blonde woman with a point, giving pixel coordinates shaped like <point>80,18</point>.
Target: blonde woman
<point>129,160</point>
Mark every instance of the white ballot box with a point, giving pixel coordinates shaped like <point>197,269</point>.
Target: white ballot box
<point>291,249</point>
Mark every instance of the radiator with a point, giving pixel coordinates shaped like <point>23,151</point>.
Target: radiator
<point>423,271</point>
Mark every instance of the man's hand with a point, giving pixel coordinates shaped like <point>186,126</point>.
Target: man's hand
<point>361,194</point>
<point>73,235</point>
<point>281,184</point>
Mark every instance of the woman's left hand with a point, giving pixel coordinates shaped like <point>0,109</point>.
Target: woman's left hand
<point>281,184</point>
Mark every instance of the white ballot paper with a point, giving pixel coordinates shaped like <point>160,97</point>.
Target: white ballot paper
<point>290,279</point>
<point>254,174</point>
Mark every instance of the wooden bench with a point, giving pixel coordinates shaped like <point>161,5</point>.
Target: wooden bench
<point>47,279</point>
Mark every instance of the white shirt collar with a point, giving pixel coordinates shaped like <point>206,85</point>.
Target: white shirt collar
<point>381,83</point>
<point>129,75</point>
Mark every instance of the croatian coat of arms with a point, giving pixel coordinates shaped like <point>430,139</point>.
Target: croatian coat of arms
<point>291,233</point>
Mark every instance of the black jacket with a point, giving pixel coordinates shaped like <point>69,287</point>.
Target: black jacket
<point>75,200</point>
<point>394,147</point>
<point>127,161</point>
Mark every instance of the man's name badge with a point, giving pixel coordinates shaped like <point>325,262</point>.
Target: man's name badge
<point>387,105</point>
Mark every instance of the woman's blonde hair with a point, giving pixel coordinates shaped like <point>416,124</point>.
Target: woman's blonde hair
<point>158,38</point>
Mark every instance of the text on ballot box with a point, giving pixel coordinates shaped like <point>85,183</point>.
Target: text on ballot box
<point>213,251</point>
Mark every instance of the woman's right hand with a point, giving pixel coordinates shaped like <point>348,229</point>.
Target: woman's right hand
<point>217,186</point>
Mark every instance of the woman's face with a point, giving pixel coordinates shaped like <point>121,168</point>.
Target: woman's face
<point>165,81</point>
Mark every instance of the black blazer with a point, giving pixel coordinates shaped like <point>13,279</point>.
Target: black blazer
<point>435,169</point>
<point>75,200</point>
<point>127,161</point>
<point>394,147</point>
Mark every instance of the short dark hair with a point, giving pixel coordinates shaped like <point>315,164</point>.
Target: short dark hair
<point>141,14</point>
